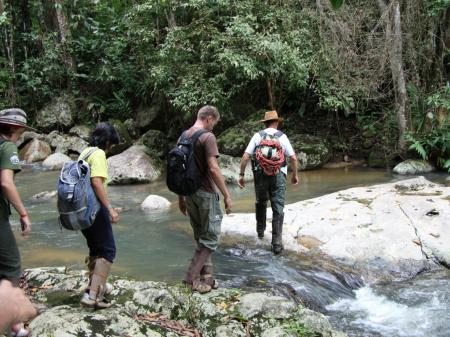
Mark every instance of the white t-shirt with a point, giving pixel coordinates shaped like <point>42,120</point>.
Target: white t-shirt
<point>284,142</point>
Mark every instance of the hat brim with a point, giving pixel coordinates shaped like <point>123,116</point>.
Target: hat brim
<point>279,119</point>
<point>19,126</point>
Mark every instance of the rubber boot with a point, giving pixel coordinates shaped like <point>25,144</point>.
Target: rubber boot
<point>98,285</point>
<point>261,210</point>
<point>192,277</point>
<point>90,263</point>
<point>206,274</point>
<point>277,234</point>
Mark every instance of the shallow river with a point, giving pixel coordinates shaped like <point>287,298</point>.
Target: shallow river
<point>159,246</point>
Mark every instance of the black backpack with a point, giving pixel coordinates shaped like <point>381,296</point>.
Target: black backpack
<point>183,175</point>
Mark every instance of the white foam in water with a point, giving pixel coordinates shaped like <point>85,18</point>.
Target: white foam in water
<point>387,317</point>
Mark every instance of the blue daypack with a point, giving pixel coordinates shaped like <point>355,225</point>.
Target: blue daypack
<point>77,203</point>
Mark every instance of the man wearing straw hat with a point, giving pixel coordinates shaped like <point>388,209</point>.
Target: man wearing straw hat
<point>269,150</point>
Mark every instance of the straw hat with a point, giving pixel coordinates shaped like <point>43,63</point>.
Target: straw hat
<point>270,116</point>
<point>15,117</point>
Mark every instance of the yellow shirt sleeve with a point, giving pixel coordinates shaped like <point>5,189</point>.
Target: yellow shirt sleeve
<point>98,164</point>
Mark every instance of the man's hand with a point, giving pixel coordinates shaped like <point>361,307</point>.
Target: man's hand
<point>228,205</point>
<point>114,215</point>
<point>294,179</point>
<point>25,224</point>
<point>15,307</point>
<point>241,182</point>
<point>182,205</point>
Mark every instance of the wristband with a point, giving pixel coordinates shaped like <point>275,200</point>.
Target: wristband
<point>242,174</point>
<point>23,215</point>
<point>109,206</point>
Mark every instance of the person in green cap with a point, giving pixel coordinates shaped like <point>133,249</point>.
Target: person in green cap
<point>13,122</point>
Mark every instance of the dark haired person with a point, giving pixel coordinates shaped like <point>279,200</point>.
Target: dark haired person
<point>203,207</point>
<point>100,237</point>
<point>13,122</point>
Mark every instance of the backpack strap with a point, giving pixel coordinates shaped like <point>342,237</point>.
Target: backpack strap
<point>262,133</point>
<point>278,134</point>
<point>87,155</point>
<point>196,135</point>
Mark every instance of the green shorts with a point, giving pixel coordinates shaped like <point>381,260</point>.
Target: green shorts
<point>206,217</point>
<point>9,252</point>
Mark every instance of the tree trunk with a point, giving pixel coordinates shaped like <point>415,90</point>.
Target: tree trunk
<point>271,92</point>
<point>394,41</point>
<point>64,33</point>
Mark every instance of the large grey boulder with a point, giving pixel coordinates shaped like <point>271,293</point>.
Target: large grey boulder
<point>59,114</point>
<point>35,151</point>
<point>155,203</point>
<point>411,166</point>
<point>133,166</point>
<point>55,161</point>
<point>151,308</point>
<point>230,167</point>
<point>384,232</point>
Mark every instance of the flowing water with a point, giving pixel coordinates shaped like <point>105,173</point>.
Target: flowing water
<point>159,246</point>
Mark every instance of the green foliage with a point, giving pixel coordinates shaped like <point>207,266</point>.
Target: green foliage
<point>298,329</point>
<point>436,7</point>
<point>337,3</point>
<point>431,135</point>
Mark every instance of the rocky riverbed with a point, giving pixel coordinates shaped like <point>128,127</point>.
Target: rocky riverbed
<point>384,232</point>
<point>157,309</point>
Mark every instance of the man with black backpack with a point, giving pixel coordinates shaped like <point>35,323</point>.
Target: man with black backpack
<point>268,150</point>
<point>194,174</point>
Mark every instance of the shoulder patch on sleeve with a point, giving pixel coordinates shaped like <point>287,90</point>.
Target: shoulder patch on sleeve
<point>14,159</point>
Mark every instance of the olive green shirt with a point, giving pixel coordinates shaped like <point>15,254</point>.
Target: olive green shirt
<point>9,159</point>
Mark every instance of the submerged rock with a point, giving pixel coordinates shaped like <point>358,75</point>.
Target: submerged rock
<point>155,203</point>
<point>384,232</point>
<point>156,309</point>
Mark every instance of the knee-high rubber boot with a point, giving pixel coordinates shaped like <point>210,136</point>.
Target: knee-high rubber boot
<point>98,285</point>
<point>206,274</point>
<point>261,210</point>
<point>90,263</point>
<point>192,277</point>
<point>277,234</point>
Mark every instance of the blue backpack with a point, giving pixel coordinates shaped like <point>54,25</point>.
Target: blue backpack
<point>77,203</point>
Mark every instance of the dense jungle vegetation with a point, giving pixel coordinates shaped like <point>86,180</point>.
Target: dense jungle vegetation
<point>381,64</point>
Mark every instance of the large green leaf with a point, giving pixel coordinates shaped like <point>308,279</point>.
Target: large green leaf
<point>337,3</point>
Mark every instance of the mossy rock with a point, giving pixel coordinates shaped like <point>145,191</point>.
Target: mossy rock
<point>312,152</point>
<point>234,140</point>
<point>125,137</point>
<point>58,114</point>
<point>156,142</point>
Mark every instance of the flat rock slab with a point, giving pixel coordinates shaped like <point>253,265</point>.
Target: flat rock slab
<point>402,226</point>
